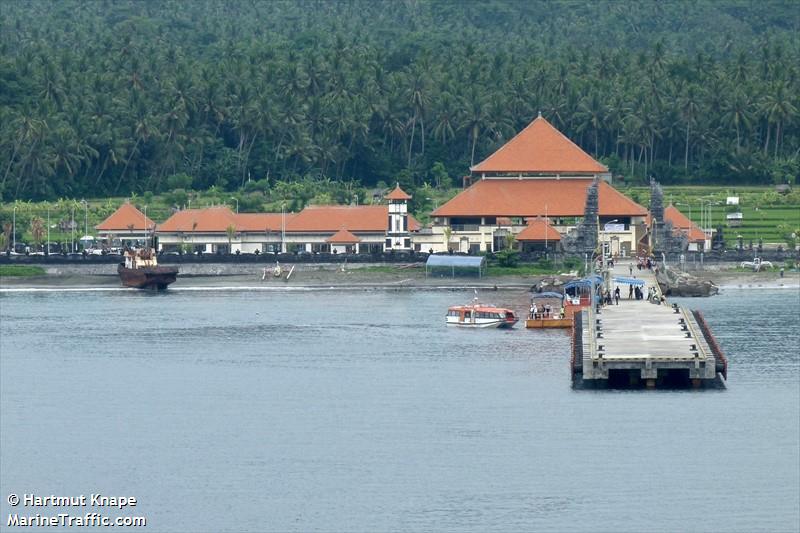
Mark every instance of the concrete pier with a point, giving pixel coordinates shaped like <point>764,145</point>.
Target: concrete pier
<point>642,343</point>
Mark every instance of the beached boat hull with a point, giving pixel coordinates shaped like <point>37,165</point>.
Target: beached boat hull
<point>153,278</point>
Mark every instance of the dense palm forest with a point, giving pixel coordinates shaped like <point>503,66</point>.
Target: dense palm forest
<point>119,97</point>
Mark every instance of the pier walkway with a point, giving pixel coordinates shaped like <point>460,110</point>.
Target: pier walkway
<point>638,340</point>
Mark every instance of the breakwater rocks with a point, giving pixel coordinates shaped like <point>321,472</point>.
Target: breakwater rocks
<point>676,283</point>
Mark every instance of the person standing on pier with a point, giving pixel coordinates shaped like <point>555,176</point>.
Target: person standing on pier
<point>630,292</point>
<point>616,295</point>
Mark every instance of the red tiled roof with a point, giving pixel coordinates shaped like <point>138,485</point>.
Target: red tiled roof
<point>540,147</point>
<point>209,219</point>
<point>359,218</point>
<point>343,237</point>
<point>398,194</point>
<point>682,223</point>
<point>312,219</point>
<point>218,219</point>
<point>261,221</point>
<point>126,215</point>
<point>536,197</point>
<point>539,230</point>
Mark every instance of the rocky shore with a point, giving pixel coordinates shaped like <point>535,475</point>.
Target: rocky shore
<point>677,283</point>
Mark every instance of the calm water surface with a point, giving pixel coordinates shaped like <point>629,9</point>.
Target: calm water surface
<point>241,410</point>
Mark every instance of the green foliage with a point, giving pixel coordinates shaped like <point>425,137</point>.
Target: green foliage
<point>21,270</point>
<point>519,270</point>
<point>507,257</point>
<point>114,98</point>
<point>179,181</point>
<point>440,176</point>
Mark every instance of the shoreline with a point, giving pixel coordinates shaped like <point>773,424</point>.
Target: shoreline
<point>359,278</point>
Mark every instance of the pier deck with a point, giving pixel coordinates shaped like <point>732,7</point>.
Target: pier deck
<point>640,340</point>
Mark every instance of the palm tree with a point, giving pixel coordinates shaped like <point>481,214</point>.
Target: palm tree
<point>738,114</point>
<point>778,107</point>
<point>37,230</point>
<point>474,118</point>
<point>690,107</point>
<point>590,112</point>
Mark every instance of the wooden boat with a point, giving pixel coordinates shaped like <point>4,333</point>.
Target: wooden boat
<point>140,270</point>
<point>478,315</point>
<point>549,310</point>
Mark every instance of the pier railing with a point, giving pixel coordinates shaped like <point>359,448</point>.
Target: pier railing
<point>719,356</point>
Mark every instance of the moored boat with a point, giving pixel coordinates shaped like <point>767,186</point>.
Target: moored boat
<point>478,315</point>
<point>140,270</point>
<point>548,310</point>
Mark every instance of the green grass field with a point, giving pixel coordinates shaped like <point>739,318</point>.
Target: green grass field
<point>21,270</point>
<point>766,214</point>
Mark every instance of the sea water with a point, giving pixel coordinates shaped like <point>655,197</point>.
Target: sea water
<point>326,410</point>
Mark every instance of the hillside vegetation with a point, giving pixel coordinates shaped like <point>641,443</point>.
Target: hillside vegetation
<point>118,97</point>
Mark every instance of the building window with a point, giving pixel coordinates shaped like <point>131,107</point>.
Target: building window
<point>388,243</point>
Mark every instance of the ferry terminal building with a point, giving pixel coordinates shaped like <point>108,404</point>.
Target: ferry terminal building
<point>532,191</point>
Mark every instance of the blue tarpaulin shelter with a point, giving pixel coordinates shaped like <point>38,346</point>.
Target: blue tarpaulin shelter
<point>593,280</point>
<point>453,262</point>
<point>588,285</point>
<point>628,281</point>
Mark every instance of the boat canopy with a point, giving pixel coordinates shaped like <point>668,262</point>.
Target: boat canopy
<point>588,281</point>
<point>456,262</point>
<point>547,295</point>
<point>628,281</point>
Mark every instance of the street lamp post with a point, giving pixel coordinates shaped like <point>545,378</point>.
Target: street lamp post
<point>72,228</point>
<point>145,228</point>
<point>606,273</point>
<point>47,244</point>
<point>14,229</point>
<point>283,228</point>
<point>86,218</point>
<point>237,203</point>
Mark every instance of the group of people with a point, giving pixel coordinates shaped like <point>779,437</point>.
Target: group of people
<point>546,311</point>
<point>609,298</point>
<point>644,263</point>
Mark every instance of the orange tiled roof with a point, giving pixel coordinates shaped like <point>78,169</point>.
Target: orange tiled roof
<point>218,219</point>
<point>343,237</point>
<point>536,197</point>
<point>261,221</point>
<point>126,215</point>
<point>398,194</point>
<point>539,230</point>
<point>312,219</point>
<point>359,218</point>
<point>209,219</point>
<point>540,147</point>
<point>682,223</point>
